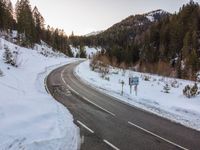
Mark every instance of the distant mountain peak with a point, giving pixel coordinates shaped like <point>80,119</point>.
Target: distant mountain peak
<point>135,21</point>
<point>93,33</point>
<point>160,11</point>
<point>156,14</point>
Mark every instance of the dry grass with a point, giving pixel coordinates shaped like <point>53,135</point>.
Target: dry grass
<point>161,68</point>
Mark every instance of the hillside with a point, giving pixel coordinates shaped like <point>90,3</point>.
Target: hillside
<point>93,33</point>
<point>30,118</point>
<point>128,29</point>
<point>154,42</point>
<point>30,26</point>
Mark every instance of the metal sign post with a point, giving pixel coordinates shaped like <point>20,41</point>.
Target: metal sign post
<point>136,90</point>
<point>133,81</point>
<point>130,89</point>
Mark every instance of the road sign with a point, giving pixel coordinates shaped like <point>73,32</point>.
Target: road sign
<point>133,81</point>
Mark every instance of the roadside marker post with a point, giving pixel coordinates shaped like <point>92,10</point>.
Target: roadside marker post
<point>122,82</point>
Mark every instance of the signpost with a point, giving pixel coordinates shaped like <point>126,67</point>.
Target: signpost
<point>133,81</point>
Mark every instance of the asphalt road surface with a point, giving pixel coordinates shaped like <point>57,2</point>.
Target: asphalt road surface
<point>108,124</point>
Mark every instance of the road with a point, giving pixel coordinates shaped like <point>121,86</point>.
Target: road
<point>108,124</point>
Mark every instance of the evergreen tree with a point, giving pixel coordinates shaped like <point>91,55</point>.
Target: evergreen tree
<point>82,52</point>
<point>187,44</point>
<point>1,73</point>
<point>39,24</point>
<point>193,61</point>
<point>25,22</point>
<point>8,57</point>
<point>166,88</point>
<point>6,15</point>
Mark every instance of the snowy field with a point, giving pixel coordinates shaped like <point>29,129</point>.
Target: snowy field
<point>30,119</point>
<point>173,105</point>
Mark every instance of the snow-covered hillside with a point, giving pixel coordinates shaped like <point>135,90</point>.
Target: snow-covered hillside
<point>89,51</point>
<point>93,33</point>
<point>30,119</point>
<point>155,15</point>
<point>151,94</point>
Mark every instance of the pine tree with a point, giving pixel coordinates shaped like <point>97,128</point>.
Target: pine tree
<point>194,61</point>
<point>1,73</point>
<point>25,22</point>
<point>48,35</point>
<point>39,24</point>
<point>82,52</point>
<point>166,88</point>
<point>2,12</point>
<point>8,57</point>
<point>187,44</point>
<point>6,15</point>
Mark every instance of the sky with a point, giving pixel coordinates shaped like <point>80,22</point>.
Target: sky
<point>85,16</point>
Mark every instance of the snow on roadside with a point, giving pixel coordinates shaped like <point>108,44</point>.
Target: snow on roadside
<point>31,119</point>
<point>173,105</point>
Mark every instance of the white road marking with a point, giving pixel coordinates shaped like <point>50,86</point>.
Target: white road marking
<point>83,96</point>
<point>83,125</point>
<point>82,139</point>
<point>73,90</point>
<point>155,135</point>
<point>98,106</point>
<point>63,77</point>
<point>111,145</point>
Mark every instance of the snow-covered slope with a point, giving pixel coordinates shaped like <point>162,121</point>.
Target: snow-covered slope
<point>93,33</point>
<point>155,15</point>
<point>30,119</point>
<point>89,51</point>
<point>173,105</point>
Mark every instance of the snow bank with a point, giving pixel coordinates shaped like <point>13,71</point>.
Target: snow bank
<point>151,97</point>
<point>30,119</point>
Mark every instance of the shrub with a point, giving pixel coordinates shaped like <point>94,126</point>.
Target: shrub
<point>175,84</point>
<point>166,88</point>
<point>198,77</point>
<point>191,91</point>
<point>104,71</point>
<point>107,78</point>
<point>9,57</point>
<point>146,78</point>
<point>115,72</point>
<point>1,73</point>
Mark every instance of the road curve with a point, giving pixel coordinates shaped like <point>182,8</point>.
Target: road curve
<point>108,124</point>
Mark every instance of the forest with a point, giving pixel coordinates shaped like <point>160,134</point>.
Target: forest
<point>169,45</point>
<point>30,26</point>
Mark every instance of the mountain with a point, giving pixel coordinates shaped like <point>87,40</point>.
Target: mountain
<point>93,33</point>
<point>123,32</point>
<point>129,28</point>
<point>156,15</point>
<point>158,42</point>
<point>141,19</point>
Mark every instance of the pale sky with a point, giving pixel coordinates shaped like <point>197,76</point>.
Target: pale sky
<point>85,16</point>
